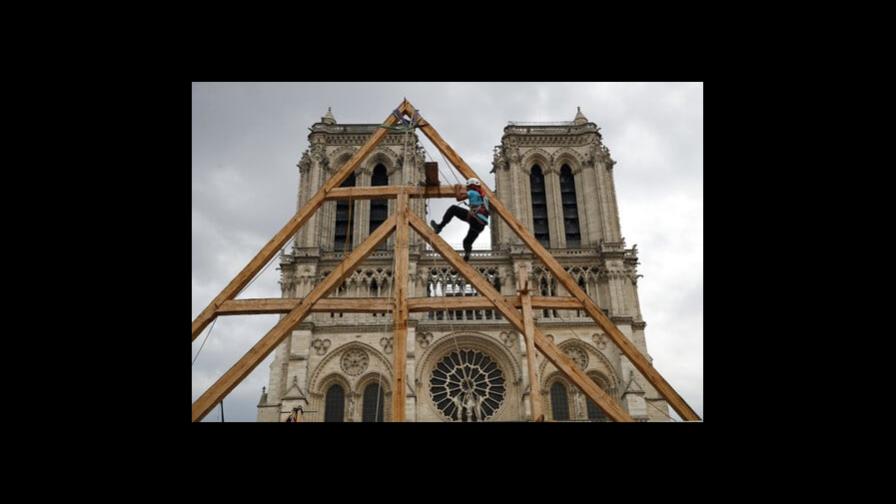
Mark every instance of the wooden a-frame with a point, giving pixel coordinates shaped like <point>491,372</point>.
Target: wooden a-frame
<point>399,222</point>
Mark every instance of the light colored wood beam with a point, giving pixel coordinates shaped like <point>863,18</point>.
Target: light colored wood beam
<point>390,192</point>
<point>260,306</point>
<point>266,344</point>
<point>551,351</point>
<point>400,313</point>
<point>625,345</point>
<point>279,240</point>
<point>529,334</point>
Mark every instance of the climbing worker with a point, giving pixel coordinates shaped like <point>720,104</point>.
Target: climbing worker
<point>295,416</point>
<point>476,216</point>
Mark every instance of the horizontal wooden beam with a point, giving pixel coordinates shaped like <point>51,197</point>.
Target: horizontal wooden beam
<point>424,304</point>
<point>390,192</point>
<point>262,306</point>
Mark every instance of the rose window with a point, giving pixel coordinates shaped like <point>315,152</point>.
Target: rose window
<point>467,386</point>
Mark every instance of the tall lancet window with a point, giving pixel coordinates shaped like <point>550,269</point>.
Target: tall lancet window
<point>334,404</point>
<point>559,401</point>
<point>379,208</point>
<point>373,404</point>
<point>342,239</point>
<point>539,207</point>
<point>570,210</point>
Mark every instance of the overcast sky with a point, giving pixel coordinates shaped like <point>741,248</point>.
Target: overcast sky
<point>248,137</point>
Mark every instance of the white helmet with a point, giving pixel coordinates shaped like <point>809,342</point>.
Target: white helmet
<point>473,181</point>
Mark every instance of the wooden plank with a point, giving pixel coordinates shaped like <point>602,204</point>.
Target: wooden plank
<point>625,345</point>
<point>279,240</point>
<point>400,313</point>
<point>260,306</point>
<point>390,192</point>
<point>266,344</point>
<point>529,333</point>
<point>425,304</point>
<point>551,351</point>
<point>263,306</point>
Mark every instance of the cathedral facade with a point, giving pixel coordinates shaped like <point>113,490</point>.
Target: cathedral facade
<point>557,179</point>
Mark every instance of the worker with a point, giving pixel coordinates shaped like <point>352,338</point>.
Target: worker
<point>476,216</point>
<point>295,416</point>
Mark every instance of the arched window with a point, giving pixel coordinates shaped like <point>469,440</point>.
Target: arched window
<point>334,409</point>
<point>379,208</point>
<point>539,207</point>
<point>595,414</point>
<point>373,404</point>
<point>559,401</point>
<point>342,238</point>
<point>570,210</point>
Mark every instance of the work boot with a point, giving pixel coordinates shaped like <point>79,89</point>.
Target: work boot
<point>435,226</point>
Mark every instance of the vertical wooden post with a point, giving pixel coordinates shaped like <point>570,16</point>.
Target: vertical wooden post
<point>400,313</point>
<point>529,324</point>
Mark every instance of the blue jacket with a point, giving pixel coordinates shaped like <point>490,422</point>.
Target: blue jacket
<point>475,202</point>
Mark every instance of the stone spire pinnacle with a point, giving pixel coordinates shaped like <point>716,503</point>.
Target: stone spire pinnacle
<point>580,118</point>
<point>328,118</point>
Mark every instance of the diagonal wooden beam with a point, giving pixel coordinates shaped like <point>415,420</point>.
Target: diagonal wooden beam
<point>266,344</point>
<point>276,243</point>
<point>547,347</point>
<point>627,347</point>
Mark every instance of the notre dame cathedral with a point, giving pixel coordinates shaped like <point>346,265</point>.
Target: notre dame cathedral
<point>557,178</point>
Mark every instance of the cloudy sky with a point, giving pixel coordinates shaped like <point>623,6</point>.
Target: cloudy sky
<point>248,137</point>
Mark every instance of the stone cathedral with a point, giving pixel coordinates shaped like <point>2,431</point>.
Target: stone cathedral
<point>557,178</point>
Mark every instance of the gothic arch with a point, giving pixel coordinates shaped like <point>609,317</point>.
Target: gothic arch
<point>341,155</point>
<point>385,384</point>
<point>609,372</point>
<point>537,156</point>
<point>385,156</point>
<point>316,384</point>
<point>568,156</point>
<point>476,339</point>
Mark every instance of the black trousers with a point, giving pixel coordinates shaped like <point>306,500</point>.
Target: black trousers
<point>476,225</point>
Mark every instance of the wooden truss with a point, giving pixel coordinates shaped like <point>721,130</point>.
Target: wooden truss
<point>516,309</point>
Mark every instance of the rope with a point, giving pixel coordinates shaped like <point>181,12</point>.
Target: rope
<point>209,333</point>
<point>661,411</point>
<point>406,125</point>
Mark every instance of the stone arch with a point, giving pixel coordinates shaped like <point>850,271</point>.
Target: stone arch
<point>385,383</point>
<point>318,399</point>
<point>325,368</point>
<point>385,156</point>
<point>568,156</point>
<point>597,361</point>
<point>536,156</point>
